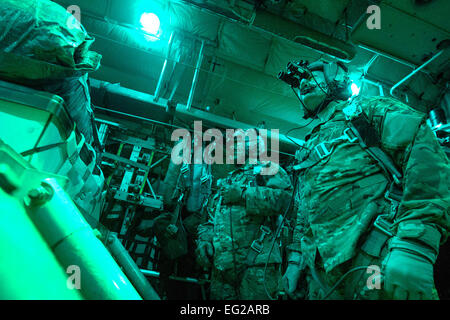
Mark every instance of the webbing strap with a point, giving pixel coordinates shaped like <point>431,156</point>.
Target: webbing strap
<point>324,149</point>
<point>41,149</point>
<point>375,242</point>
<point>257,245</point>
<point>72,152</point>
<point>369,140</point>
<point>309,162</point>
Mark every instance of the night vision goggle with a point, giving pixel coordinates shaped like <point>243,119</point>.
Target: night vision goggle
<point>297,71</point>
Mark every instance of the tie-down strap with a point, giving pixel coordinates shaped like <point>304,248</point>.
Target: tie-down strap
<point>257,245</point>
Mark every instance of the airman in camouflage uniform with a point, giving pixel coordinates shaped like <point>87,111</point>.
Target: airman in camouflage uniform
<point>246,205</point>
<point>342,191</point>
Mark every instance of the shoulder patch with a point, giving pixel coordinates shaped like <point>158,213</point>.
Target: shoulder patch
<point>399,128</point>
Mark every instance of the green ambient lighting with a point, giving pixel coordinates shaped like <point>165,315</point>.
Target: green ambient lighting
<point>151,24</point>
<point>355,89</point>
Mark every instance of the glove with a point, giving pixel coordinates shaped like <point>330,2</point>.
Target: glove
<point>408,275</point>
<point>204,254</point>
<point>290,278</point>
<point>231,194</point>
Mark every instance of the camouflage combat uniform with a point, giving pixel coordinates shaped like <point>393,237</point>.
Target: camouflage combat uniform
<point>341,195</point>
<point>233,227</point>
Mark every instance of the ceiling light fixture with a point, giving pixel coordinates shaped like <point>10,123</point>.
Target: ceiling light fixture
<point>150,23</point>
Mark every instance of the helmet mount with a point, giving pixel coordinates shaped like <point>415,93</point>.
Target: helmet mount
<point>335,89</point>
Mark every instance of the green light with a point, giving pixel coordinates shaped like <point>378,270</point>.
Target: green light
<point>355,89</point>
<point>150,23</point>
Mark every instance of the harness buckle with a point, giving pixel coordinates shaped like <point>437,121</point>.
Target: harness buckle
<point>393,194</point>
<point>351,137</point>
<point>387,196</point>
<point>204,178</point>
<point>394,203</point>
<point>257,246</point>
<point>322,150</point>
<point>265,230</point>
<point>383,225</point>
<point>184,168</point>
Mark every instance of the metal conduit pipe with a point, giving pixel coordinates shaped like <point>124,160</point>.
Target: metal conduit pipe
<point>390,57</point>
<point>286,146</point>
<point>139,105</point>
<point>129,267</point>
<point>74,243</point>
<point>377,84</point>
<point>414,72</point>
<point>195,78</point>
<point>127,101</point>
<point>163,71</point>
